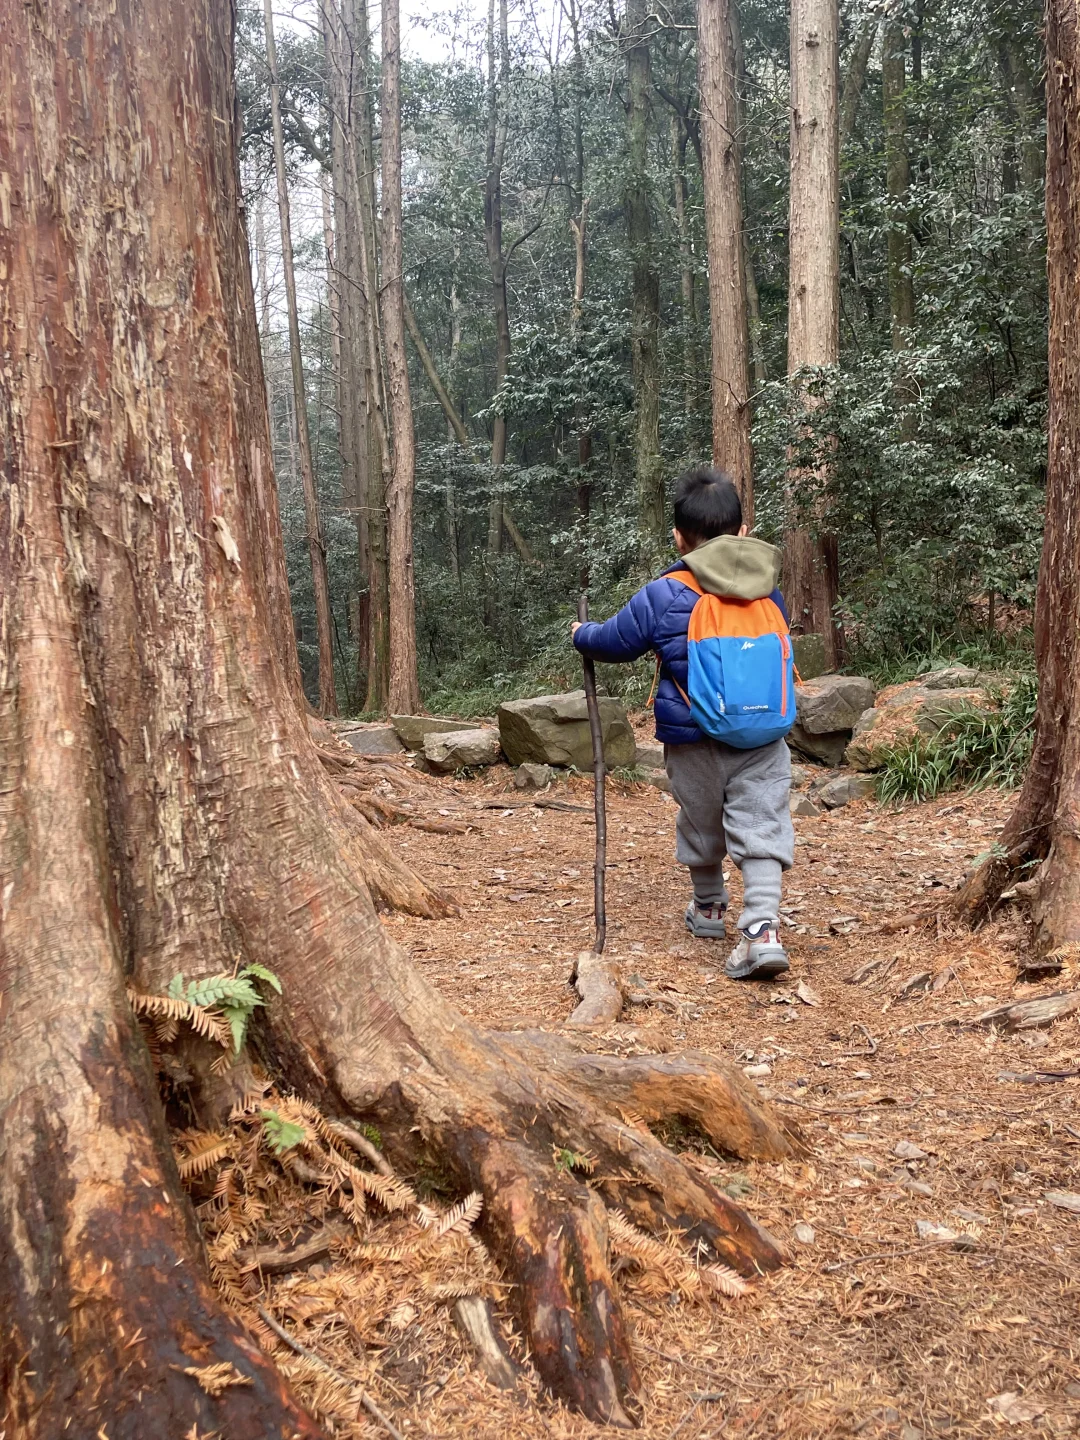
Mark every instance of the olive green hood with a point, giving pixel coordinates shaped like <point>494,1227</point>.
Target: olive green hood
<point>735,565</point>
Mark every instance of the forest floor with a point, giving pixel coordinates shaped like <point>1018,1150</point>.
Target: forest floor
<point>873,1329</point>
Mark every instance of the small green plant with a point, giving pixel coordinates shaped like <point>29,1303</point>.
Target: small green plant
<point>279,1134</point>
<point>974,750</point>
<point>235,996</point>
<point>573,1160</point>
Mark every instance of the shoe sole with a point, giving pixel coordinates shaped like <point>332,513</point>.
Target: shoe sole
<point>710,930</point>
<point>761,967</point>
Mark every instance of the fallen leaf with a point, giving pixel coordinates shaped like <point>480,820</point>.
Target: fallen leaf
<point>757,1072</point>
<point>930,1230</point>
<point>1015,1410</point>
<point>905,1150</point>
<point>804,1233</point>
<point>1064,1200</point>
<point>806,995</point>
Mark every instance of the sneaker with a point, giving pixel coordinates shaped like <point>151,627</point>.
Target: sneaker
<point>706,921</point>
<point>759,955</point>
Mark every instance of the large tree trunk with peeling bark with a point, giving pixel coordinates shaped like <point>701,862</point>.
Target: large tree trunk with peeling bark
<point>1045,826</point>
<point>810,548</point>
<point>718,50</point>
<point>166,811</point>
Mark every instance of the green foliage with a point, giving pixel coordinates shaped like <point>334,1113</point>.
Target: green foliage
<point>235,996</point>
<point>279,1134</point>
<point>976,749</point>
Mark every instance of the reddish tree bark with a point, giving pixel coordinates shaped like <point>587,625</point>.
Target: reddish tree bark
<point>1045,825</point>
<point>164,809</point>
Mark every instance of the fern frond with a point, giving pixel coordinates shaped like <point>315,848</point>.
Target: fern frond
<point>170,1007</point>
<point>460,1219</point>
<point>391,1193</point>
<point>209,1151</point>
<point>724,1280</point>
<point>627,1239</point>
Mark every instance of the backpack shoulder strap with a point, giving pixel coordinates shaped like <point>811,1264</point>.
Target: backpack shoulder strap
<point>687,578</point>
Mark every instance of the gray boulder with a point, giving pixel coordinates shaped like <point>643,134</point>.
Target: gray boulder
<point>828,749</point>
<point>451,750</point>
<point>802,807</point>
<point>533,777</point>
<point>844,789</point>
<point>649,755</point>
<point>554,730</point>
<point>903,714</point>
<point>373,739</point>
<point>832,702</point>
<point>411,729</point>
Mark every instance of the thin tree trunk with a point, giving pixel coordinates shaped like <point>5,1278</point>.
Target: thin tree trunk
<point>897,183</point>
<point>319,578</point>
<point>855,78</point>
<point>1045,825</point>
<point>457,425</point>
<point>754,325</point>
<point>687,286</point>
<point>498,108</point>
<point>404,685</point>
<point>721,174</point>
<point>645,282</point>
<point>810,584</point>
<point>452,540</point>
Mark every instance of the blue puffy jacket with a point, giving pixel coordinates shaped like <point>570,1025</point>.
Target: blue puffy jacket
<point>658,616</point>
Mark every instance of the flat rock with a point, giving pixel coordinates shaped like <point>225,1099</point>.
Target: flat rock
<point>832,702</point>
<point>844,789</point>
<point>451,750</point>
<point>554,730</point>
<point>804,807</point>
<point>828,749</point>
<point>658,779</point>
<point>531,776</point>
<point>373,739</point>
<point>411,729</point>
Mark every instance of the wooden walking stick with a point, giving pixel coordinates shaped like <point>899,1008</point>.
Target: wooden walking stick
<point>597,730</point>
<point>597,980</point>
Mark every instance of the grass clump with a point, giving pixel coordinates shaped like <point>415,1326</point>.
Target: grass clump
<point>974,750</point>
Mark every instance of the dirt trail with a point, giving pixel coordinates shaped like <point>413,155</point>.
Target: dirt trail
<point>873,1330</point>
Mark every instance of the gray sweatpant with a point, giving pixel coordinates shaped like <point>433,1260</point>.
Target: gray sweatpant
<point>737,803</point>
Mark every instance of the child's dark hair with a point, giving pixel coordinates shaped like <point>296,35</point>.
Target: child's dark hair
<point>706,504</point>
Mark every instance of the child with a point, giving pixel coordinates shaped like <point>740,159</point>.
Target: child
<point>731,800</point>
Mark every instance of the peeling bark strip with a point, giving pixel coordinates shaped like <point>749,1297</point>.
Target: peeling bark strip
<point>164,809</point>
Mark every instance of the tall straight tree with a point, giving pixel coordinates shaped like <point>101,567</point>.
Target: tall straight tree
<point>1044,828</point>
<point>897,179</point>
<point>810,549</point>
<point>498,126</point>
<point>316,549</point>
<point>645,281</point>
<point>718,49</point>
<point>404,685</point>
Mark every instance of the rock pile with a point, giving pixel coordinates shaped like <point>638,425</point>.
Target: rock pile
<point>828,709</point>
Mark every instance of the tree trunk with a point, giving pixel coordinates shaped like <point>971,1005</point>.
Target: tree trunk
<point>810,583</point>
<point>897,183</point>
<point>498,107</point>
<point>855,78</point>
<point>167,812</point>
<point>319,579</point>
<point>645,309</point>
<point>404,685</point>
<point>1045,825</point>
<point>687,286</point>
<point>721,173</point>
<point>353,426</point>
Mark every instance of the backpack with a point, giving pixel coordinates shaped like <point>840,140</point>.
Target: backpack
<point>741,678</point>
